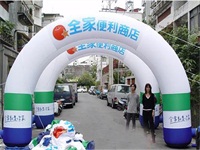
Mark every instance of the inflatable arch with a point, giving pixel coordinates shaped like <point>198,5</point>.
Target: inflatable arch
<point>45,85</point>
<point>127,32</point>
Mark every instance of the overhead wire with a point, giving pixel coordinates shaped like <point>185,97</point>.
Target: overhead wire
<point>181,39</point>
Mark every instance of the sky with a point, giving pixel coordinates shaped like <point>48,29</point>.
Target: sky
<point>76,6</point>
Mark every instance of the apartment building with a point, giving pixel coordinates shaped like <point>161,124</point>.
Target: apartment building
<point>162,14</point>
<point>48,18</point>
<point>26,17</point>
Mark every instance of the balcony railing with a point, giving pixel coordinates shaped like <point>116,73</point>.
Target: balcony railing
<point>7,40</point>
<point>161,5</point>
<point>25,17</point>
<point>153,4</point>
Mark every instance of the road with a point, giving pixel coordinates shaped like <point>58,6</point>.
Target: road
<point>106,126</point>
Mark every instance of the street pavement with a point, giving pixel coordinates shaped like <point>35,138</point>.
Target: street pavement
<point>106,126</point>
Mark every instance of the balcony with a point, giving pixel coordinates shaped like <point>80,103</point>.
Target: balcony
<point>7,40</point>
<point>24,16</point>
<point>161,5</point>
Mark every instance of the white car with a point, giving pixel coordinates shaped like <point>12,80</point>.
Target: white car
<point>82,90</point>
<point>116,93</point>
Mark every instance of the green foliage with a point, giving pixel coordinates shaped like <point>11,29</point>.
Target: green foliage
<point>97,83</point>
<point>86,80</point>
<point>93,71</point>
<point>60,81</point>
<point>118,78</point>
<point>6,27</point>
<point>115,77</point>
<point>69,76</point>
<point>128,73</point>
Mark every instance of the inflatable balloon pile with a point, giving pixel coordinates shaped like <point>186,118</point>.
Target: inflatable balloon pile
<point>60,135</point>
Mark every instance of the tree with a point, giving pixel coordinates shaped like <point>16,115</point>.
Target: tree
<point>86,80</point>
<point>115,77</point>
<point>60,81</point>
<point>93,72</point>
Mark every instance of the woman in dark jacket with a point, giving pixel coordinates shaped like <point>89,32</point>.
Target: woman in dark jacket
<point>148,101</point>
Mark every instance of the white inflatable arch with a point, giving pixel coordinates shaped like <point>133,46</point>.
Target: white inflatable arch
<point>45,85</point>
<point>127,32</point>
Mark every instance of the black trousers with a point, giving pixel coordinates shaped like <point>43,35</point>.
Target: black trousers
<point>130,116</point>
<point>148,122</point>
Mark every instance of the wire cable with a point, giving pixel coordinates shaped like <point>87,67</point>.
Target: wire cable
<point>180,39</point>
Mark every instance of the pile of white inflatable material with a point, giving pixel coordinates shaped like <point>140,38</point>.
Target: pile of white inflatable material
<point>60,135</point>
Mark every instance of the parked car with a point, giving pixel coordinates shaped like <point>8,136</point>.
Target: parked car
<point>74,85</point>
<point>117,92</point>
<point>97,92</point>
<point>103,94</point>
<point>82,90</point>
<point>66,92</point>
<point>91,90</point>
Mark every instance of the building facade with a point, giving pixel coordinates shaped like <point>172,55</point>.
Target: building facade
<point>26,18</point>
<point>162,14</point>
<point>49,18</point>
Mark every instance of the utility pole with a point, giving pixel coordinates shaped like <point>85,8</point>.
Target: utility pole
<point>109,3</point>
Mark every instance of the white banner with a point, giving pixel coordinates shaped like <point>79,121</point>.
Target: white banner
<point>17,119</point>
<point>44,109</point>
<point>177,119</point>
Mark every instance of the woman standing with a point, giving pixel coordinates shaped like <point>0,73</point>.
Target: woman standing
<point>148,101</point>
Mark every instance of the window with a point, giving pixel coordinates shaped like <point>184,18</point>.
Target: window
<point>61,88</point>
<point>113,89</point>
<point>4,5</point>
<point>164,15</point>
<point>123,89</point>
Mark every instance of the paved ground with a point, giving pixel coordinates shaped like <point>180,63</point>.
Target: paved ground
<point>106,126</point>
